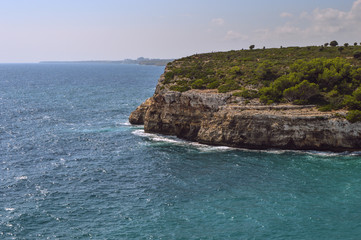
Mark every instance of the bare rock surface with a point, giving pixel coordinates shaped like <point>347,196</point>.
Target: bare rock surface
<point>222,119</point>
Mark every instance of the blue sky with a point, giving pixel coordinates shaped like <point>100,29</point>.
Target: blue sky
<point>38,30</point>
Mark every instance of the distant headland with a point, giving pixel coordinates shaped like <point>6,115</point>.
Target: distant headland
<point>140,61</point>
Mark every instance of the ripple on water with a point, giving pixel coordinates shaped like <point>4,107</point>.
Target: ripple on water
<point>72,167</point>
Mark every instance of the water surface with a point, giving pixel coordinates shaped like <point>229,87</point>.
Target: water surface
<point>72,167</point>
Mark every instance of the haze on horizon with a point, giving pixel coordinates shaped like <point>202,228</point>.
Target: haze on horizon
<point>41,30</point>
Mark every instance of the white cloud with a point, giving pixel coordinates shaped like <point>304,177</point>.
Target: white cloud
<point>218,21</point>
<point>286,15</point>
<point>319,24</point>
<point>233,35</point>
<point>288,29</point>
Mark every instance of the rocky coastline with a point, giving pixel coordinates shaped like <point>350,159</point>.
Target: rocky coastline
<point>206,116</point>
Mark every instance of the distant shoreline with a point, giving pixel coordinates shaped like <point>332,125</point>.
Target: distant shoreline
<point>140,61</point>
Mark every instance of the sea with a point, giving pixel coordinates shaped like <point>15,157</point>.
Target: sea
<point>72,167</point>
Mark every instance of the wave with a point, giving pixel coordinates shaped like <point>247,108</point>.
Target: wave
<point>180,142</point>
<point>332,154</point>
<point>208,148</point>
<point>126,123</point>
<point>117,127</point>
<point>21,178</point>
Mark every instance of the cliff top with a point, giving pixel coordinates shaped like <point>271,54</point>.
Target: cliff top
<point>329,77</point>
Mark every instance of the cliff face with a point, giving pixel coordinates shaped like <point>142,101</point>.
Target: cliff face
<point>222,119</point>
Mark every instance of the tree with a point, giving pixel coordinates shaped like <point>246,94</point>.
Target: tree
<point>266,71</point>
<point>357,55</point>
<point>326,44</point>
<point>346,44</point>
<point>251,47</point>
<point>355,44</point>
<point>302,92</point>
<point>340,49</point>
<point>333,43</point>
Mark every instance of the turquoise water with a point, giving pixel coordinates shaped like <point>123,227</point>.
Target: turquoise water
<point>73,168</point>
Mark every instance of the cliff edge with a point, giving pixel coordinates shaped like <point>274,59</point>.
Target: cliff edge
<point>215,118</point>
<point>287,98</point>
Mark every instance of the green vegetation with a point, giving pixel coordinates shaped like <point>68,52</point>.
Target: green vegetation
<point>329,77</point>
<point>333,43</point>
<point>357,55</point>
<point>246,93</point>
<point>198,84</point>
<point>354,116</point>
<point>329,83</point>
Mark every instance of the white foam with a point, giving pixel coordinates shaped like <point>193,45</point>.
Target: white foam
<point>10,209</point>
<point>156,137</point>
<point>42,191</point>
<point>333,154</point>
<point>180,142</point>
<point>21,178</point>
<point>127,123</point>
<point>209,148</point>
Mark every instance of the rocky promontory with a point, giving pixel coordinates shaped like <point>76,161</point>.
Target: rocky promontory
<point>215,118</point>
<point>290,98</point>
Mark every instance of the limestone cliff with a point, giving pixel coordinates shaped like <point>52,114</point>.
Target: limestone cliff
<point>215,118</point>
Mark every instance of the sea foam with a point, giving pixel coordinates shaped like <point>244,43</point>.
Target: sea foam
<point>208,148</point>
<point>177,141</point>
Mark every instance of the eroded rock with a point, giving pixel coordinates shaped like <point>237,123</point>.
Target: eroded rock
<point>220,119</point>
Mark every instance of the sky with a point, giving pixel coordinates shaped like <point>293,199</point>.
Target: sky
<point>74,30</point>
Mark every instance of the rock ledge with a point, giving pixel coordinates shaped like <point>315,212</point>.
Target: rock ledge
<point>222,119</point>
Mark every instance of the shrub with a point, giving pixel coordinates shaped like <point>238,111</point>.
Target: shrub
<point>235,70</point>
<point>325,108</point>
<point>266,71</point>
<point>270,95</point>
<point>354,116</point>
<point>355,44</point>
<point>357,54</point>
<point>179,88</point>
<point>230,85</point>
<point>168,77</point>
<point>198,84</point>
<point>213,85</point>
<point>252,47</point>
<point>246,93</point>
<point>346,44</point>
<point>340,49</point>
<point>301,93</point>
<point>275,91</point>
<point>334,99</point>
<point>357,94</point>
<point>351,103</point>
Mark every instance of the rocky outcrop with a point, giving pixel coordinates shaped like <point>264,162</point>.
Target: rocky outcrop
<point>222,119</point>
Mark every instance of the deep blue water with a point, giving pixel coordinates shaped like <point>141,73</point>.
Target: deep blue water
<point>73,168</point>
